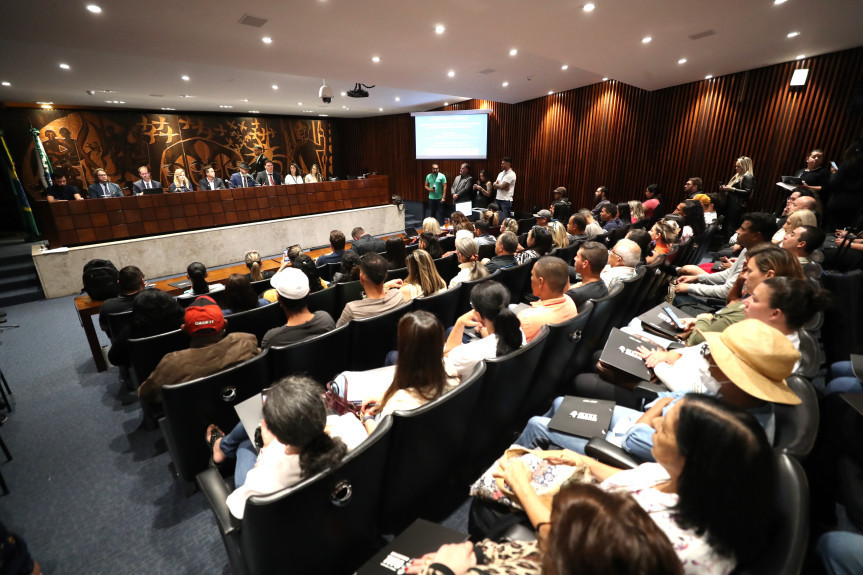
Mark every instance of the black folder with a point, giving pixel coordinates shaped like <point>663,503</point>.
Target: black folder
<point>658,322</point>
<point>582,416</point>
<point>620,352</point>
<point>420,538</point>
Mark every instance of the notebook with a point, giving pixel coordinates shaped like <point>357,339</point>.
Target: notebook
<point>420,538</point>
<point>620,352</point>
<point>658,322</point>
<point>582,416</point>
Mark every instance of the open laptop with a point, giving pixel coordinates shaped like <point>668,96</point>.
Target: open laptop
<point>411,232</point>
<point>620,352</point>
<point>151,191</point>
<point>657,321</point>
<point>582,416</point>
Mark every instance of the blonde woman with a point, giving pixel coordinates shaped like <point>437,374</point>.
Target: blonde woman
<point>636,211</point>
<point>314,175</point>
<point>431,225</point>
<point>794,221</point>
<point>663,233</point>
<point>559,238</point>
<point>423,279</point>
<point>737,193</point>
<point>470,267</point>
<point>181,183</point>
<point>509,225</point>
<point>253,262</point>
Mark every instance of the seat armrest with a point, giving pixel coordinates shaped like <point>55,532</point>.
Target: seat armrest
<point>647,391</point>
<point>518,532</point>
<point>216,490</point>
<point>608,453</point>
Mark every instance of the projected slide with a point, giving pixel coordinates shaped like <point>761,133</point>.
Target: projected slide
<point>451,136</point>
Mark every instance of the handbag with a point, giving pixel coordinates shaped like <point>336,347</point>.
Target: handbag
<point>338,404</point>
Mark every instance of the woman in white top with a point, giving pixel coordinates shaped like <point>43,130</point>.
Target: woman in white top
<point>470,267</point>
<point>197,274</point>
<point>423,278</point>
<point>294,177</point>
<point>711,490</point>
<point>314,175</point>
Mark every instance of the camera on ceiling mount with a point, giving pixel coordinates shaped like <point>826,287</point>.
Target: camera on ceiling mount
<point>325,93</point>
<point>359,91</point>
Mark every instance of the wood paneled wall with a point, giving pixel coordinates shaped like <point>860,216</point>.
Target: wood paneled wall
<point>626,138</point>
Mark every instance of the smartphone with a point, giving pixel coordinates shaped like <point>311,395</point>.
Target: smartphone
<point>835,167</point>
<point>677,322</point>
<point>287,249</point>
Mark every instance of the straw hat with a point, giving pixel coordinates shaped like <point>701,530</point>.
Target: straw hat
<point>757,358</point>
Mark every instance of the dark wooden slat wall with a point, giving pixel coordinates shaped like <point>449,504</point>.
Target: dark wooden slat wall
<point>626,138</point>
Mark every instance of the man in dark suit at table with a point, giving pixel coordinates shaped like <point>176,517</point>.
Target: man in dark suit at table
<point>242,178</point>
<point>269,177</point>
<point>210,181</point>
<point>146,182</point>
<point>103,188</point>
<point>365,243</point>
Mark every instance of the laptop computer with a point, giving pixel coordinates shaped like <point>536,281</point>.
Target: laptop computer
<point>151,191</point>
<point>620,352</point>
<point>182,284</point>
<point>582,416</point>
<point>411,232</point>
<point>420,538</point>
<point>656,320</point>
<point>794,181</point>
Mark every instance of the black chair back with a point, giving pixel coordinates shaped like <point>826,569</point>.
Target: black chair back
<point>567,254</point>
<point>525,225</point>
<point>447,267</point>
<point>596,334</point>
<point>373,337</point>
<point>811,356</point>
<point>702,244</point>
<point>261,286</point>
<point>442,304</point>
<point>486,251</point>
<point>797,425</point>
<point>327,523</point>
<point>348,291</point>
<point>322,357</point>
<point>679,255</point>
<point>256,321</point>
<point>467,287</point>
<point>329,270</point>
<point>655,286</point>
<point>517,279</point>
<point>190,407</point>
<point>146,352</point>
<point>397,274</point>
<point>324,300</point>
<point>630,300</point>
<point>447,243</point>
<point>425,442</point>
<point>117,321</point>
<point>186,300</point>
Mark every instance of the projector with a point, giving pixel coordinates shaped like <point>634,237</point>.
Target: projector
<point>358,91</point>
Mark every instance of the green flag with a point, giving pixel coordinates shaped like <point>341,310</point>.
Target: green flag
<point>26,214</point>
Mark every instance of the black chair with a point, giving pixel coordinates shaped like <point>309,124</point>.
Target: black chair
<point>525,224</point>
<point>467,287</point>
<point>256,321</point>
<point>615,236</point>
<point>325,524</point>
<point>679,254</point>
<point>447,243</point>
<point>517,279</point>
<point>554,368</point>
<point>655,286</point>
<point>567,254</point>
<point>397,274</point>
<point>447,267</point>
<point>443,304</point>
<point>261,286</point>
<point>146,352</point>
<point>425,442</point>
<point>186,300</point>
<point>190,407</point>
<point>811,356</point>
<point>322,357</point>
<point>596,333</point>
<point>506,384</point>
<point>117,321</point>
<point>346,292</point>
<point>797,425</point>
<point>373,337</point>
<point>324,300</point>
<point>486,251</point>
<point>702,244</point>
<point>411,247</point>
<point>630,300</point>
<point>329,270</point>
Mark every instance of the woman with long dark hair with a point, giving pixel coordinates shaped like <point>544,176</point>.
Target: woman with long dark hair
<point>294,175</point>
<point>485,190</point>
<point>314,175</point>
<point>197,273</point>
<point>307,265</point>
<point>396,253</point>
<point>431,243</point>
<point>153,312</point>
<point>539,243</point>
<point>692,213</point>
<point>240,296</point>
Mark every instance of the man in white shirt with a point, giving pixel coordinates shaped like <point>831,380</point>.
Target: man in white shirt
<point>505,186</point>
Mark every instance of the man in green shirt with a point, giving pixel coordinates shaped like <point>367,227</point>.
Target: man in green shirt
<point>436,187</point>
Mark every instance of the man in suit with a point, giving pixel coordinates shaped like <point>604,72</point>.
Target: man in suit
<point>210,181</point>
<point>145,183</point>
<point>462,186</point>
<point>103,188</point>
<point>259,162</point>
<point>268,177</point>
<point>243,179</point>
<point>365,243</point>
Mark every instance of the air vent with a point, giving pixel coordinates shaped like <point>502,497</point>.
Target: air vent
<point>486,72</point>
<point>701,35</point>
<point>157,95</point>
<point>255,21</point>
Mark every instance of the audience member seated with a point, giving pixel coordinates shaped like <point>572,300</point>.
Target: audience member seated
<point>379,298</point>
<point>430,242</point>
<point>103,188</point>
<point>365,243</point>
<point>242,178</point>
<point>576,229</point>
<point>559,237</point>
<point>131,282</point>
<point>423,278</point>
<point>652,204</point>
<point>794,221</point>
<point>711,491</point>
<point>197,274</point>
<point>268,177</point>
<point>802,241</point>
<point>420,375</point>
<point>610,221</point>
<point>538,245</point>
<point>590,260</point>
<point>314,176</point>
<point>153,312</point>
<point>253,262</point>
<point>561,207</point>
<point>842,379</point>
<point>509,225</point>
<point>431,225</point>
<point>504,250</point>
<point>292,289</point>
<point>459,221</point>
<point>240,296</point>
<point>350,268</point>
<point>294,442</point>
<point>307,265</point>
<point>592,229</point>
<point>588,530</point>
<point>622,261</point>
<point>549,279</point>
<point>642,238</point>
<point>707,206</point>
<point>636,212</point>
<point>396,253</point>
<point>210,181</point>
<point>663,234</point>
<point>470,268</point>
<point>601,197</point>
<point>60,191</point>
<point>841,552</point>
<point>542,218</point>
<point>492,214</point>
<point>337,244</point>
<point>180,183</point>
<point>210,350</point>
<point>483,236</point>
<point>692,213</point>
<point>497,327</point>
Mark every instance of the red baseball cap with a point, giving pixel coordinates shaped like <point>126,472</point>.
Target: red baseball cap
<point>203,314</point>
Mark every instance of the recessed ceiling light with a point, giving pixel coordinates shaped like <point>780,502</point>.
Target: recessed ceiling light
<point>513,52</point>
<point>451,73</point>
<point>605,79</point>
<point>799,57</point>
<point>505,84</point>
<point>308,110</point>
<point>185,96</point>
<point>646,40</point>
<point>565,67</point>
<point>708,77</point>
<point>245,99</point>
<point>254,111</point>
<point>682,61</point>
<point>550,92</point>
<point>225,106</point>
<point>115,102</point>
<point>167,109</point>
<point>777,2</point>
<point>299,103</point>
<point>267,40</point>
<point>398,99</point>
<point>45,103</point>
<point>589,7</point>
<point>440,29</point>
<point>446,103</point>
<point>94,9</point>
<point>380,109</point>
<point>344,107</point>
<point>376,59</point>
<point>184,78</point>
<point>347,109</point>
<point>792,34</point>
<point>275,86</point>
<point>7,84</point>
<point>64,66</point>
<point>46,106</point>
<point>344,93</point>
<point>324,115</point>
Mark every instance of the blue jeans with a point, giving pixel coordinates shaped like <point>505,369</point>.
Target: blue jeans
<point>842,379</point>
<point>237,445</point>
<point>841,552</point>
<point>505,209</point>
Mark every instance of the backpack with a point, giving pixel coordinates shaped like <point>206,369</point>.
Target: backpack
<point>100,280</point>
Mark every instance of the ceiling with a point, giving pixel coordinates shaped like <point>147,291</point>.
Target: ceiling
<point>140,51</point>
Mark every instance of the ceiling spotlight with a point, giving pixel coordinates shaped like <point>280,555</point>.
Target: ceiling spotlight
<point>167,109</point>
<point>267,40</point>
<point>505,84</point>
<point>324,115</point>
<point>513,52</point>
<point>184,78</point>
<point>185,96</point>
<point>708,77</point>
<point>308,110</point>
<point>682,61</point>
<point>7,84</point>
<point>64,66</point>
<point>299,103</point>
<point>550,92</point>
<point>398,99</point>
<point>605,79</point>
<point>799,57</point>
<point>344,107</point>
<point>45,103</point>
<point>798,78</point>
<point>245,99</point>
<point>225,106</point>
<point>254,111</point>
<point>94,9</point>
<point>589,7</point>
<point>446,103</point>
<point>777,2</point>
<point>792,34</point>
<point>376,59</point>
<point>380,109</point>
<point>440,29</point>
<point>565,67</point>
<point>451,73</point>
<point>347,109</point>
<point>646,40</point>
<point>46,106</point>
<point>275,86</point>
